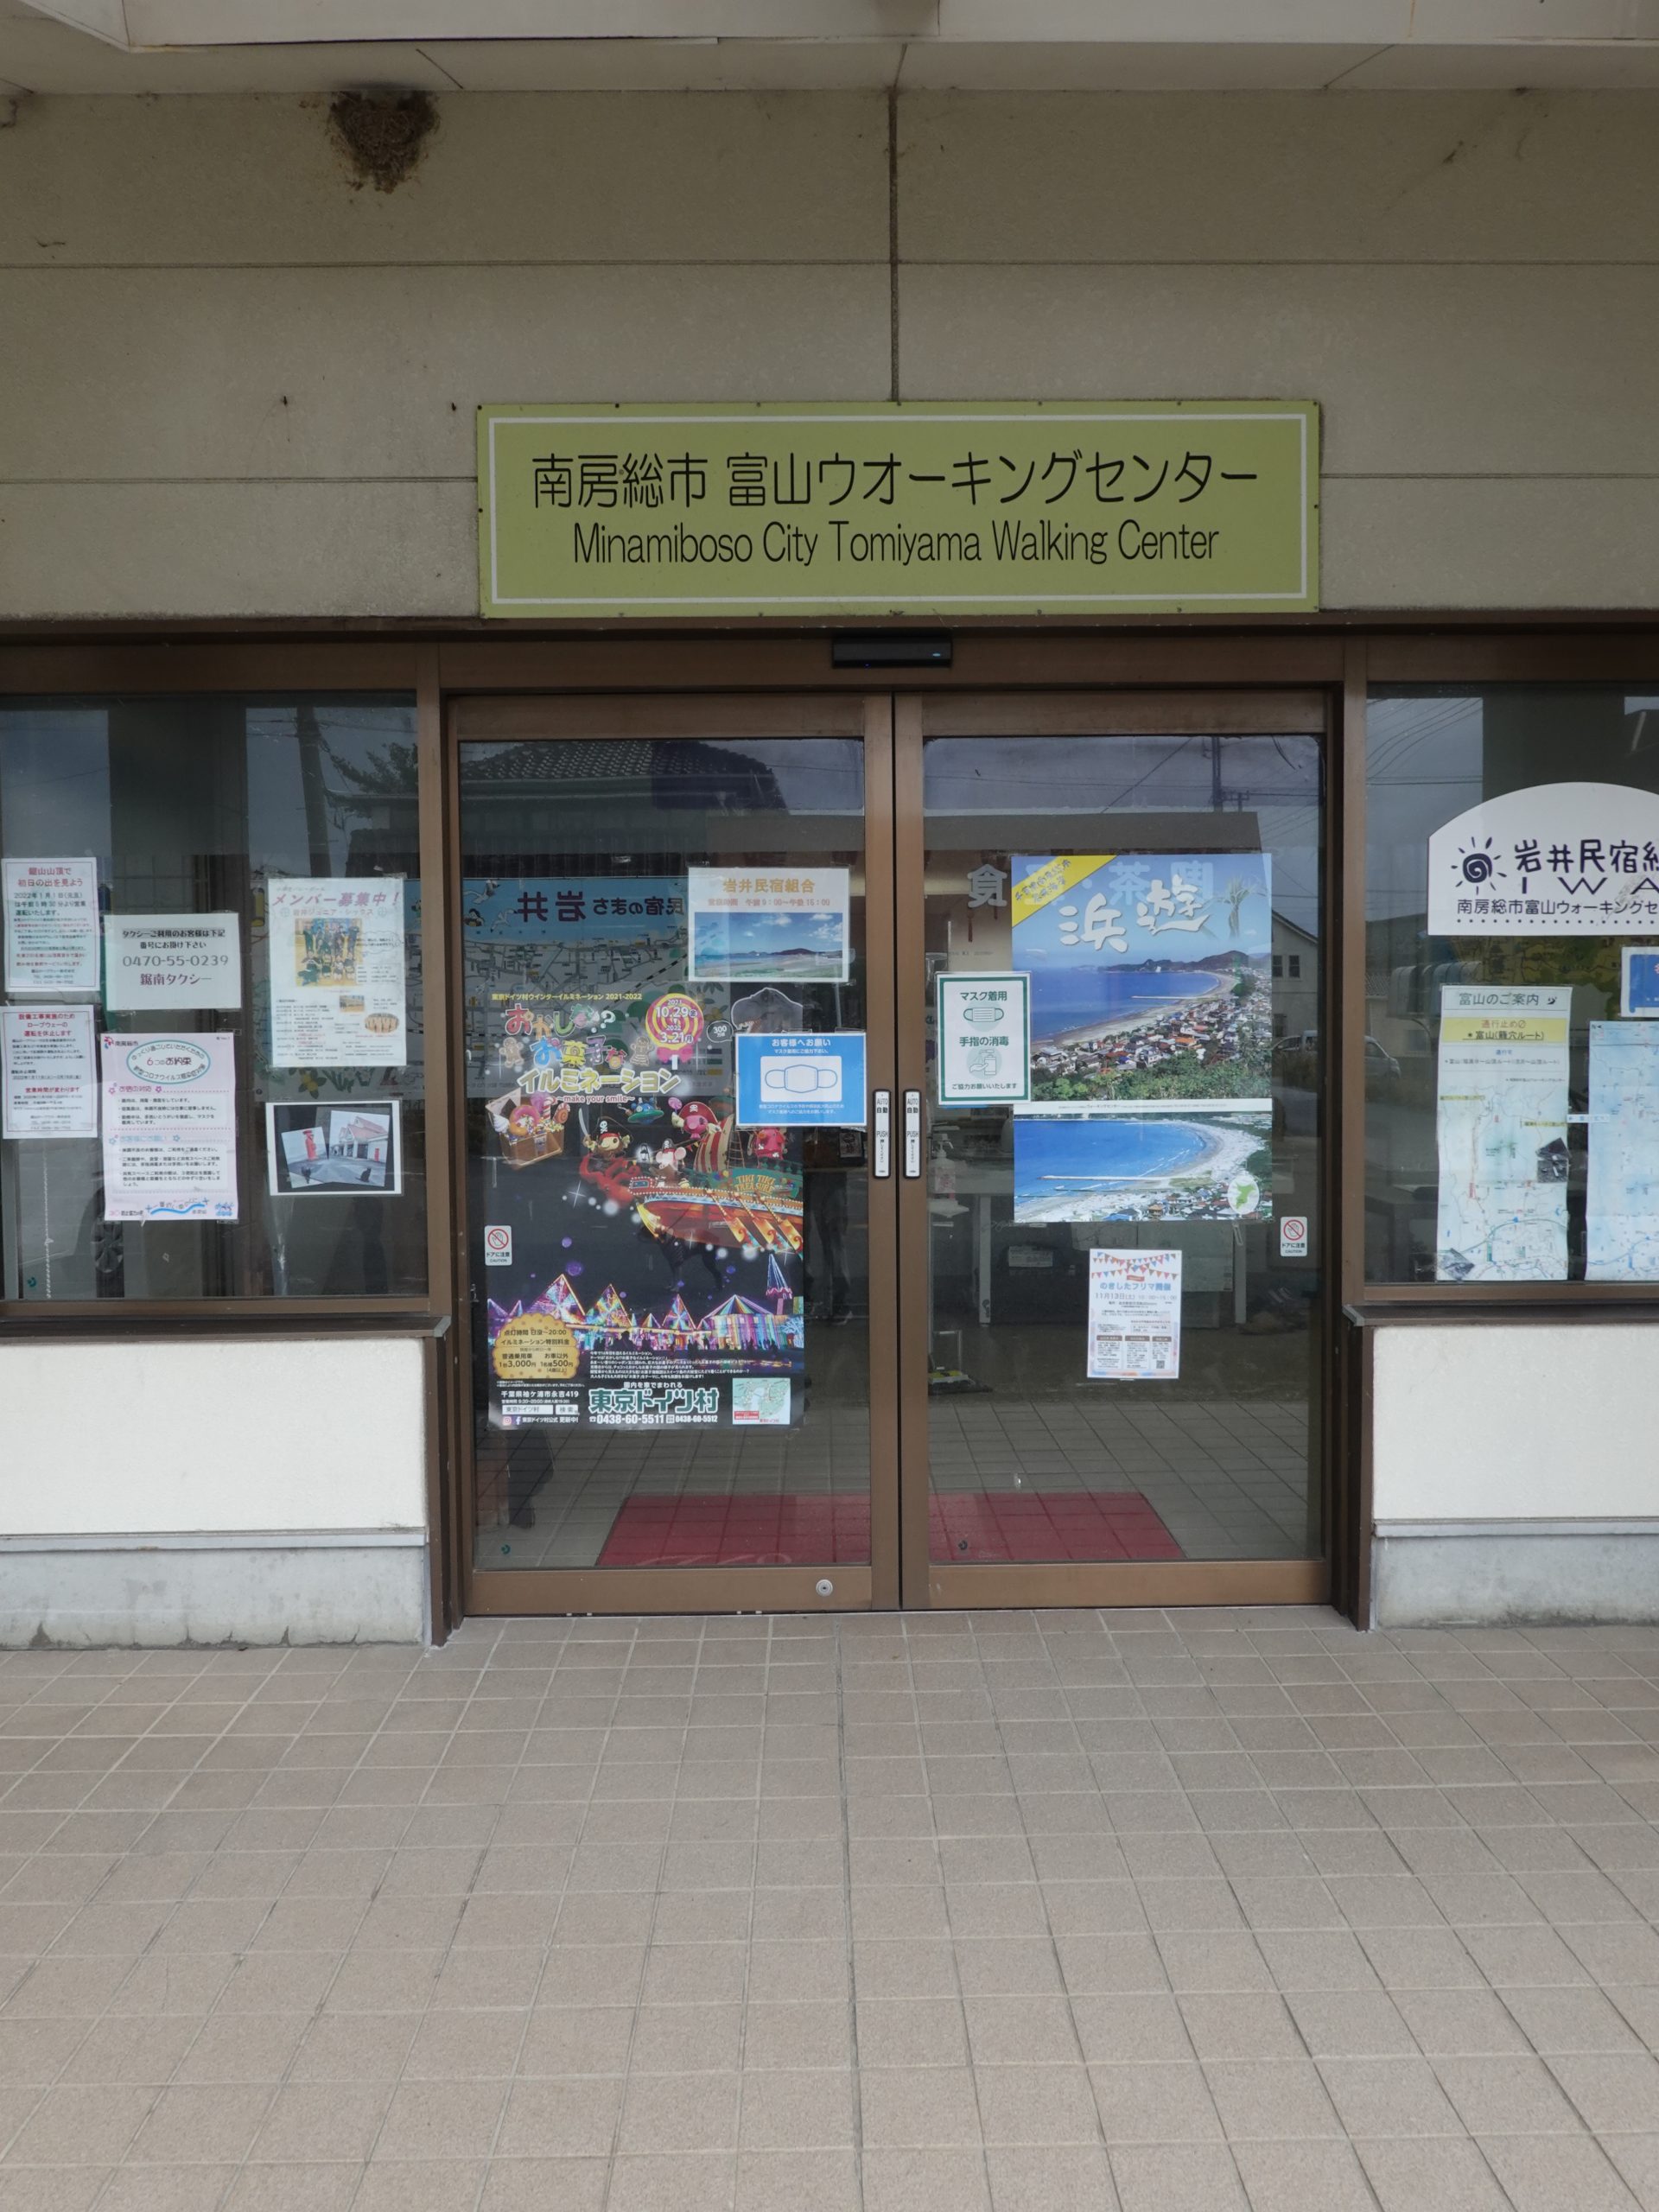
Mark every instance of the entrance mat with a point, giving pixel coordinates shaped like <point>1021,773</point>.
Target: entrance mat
<point>793,1530</point>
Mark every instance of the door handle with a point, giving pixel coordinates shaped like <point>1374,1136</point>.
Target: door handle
<point>881,1147</point>
<point>912,1133</point>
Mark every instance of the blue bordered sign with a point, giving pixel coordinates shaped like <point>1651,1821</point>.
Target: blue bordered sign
<point>803,1081</point>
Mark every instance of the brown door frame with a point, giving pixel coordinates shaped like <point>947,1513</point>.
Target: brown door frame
<point>1188,1582</point>
<point>564,718</point>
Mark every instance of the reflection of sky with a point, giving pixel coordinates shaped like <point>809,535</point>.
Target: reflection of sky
<point>1423,766</point>
<point>55,782</point>
<point>1276,778</point>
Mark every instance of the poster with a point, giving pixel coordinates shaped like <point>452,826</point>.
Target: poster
<point>335,1150</point>
<point>48,1071</point>
<point>337,995</point>
<point>171,961</point>
<point>169,1127</point>
<point>1170,1164</point>
<point>51,924</point>
<point>984,1027</point>
<point>1151,976</point>
<point>1500,1117</point>
<point>1638,980</point>
<point>550,961</point>
<point>655,1249</point>
<point>751,927</point>
<point>814,1081</point>
<point>1552,860</point>
<point>1621,1199</point>
<point>1134,1314</point>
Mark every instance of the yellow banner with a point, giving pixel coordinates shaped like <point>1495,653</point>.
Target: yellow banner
<point>916,508</point>
<point>1517,1028</point>
<point>1040,889</point>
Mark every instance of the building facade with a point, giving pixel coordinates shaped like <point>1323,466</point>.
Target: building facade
<point>463,1279</point>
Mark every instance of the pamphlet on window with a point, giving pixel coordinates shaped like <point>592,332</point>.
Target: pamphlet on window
<point>336,1151</point>
<point>169,1127</point>
<point>337,986</point>
<point>51,912</point>
<point>167,962</point>
<point>1134,1314</point>
<point>50,1077</point>
<point>1622,1185</point>
<point>1501,1118</point>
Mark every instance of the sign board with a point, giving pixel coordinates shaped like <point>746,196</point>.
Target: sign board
<point>1552,860</point>
<point>918,508</point>
<point>984,1032</point>
<point>171,961</point>
<point>801,1082</point>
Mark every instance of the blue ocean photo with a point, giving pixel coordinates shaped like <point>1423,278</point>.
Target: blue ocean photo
<point>1162,1167</point>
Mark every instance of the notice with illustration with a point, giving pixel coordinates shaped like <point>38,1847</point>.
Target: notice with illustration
<point>337,984</point>
<point>1501,1116</point>
<point>1151,1032</point>
<point>1134,1315</point>
<point>169,1127</point>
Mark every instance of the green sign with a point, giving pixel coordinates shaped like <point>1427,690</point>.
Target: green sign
<point>923,508</point>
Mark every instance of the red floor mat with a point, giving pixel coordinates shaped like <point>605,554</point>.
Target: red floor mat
<point>965,1526</point>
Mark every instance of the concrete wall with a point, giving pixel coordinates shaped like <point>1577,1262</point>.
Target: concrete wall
<point>213,1490</point>
<point>1514,1473</point>
<point>239,386</point>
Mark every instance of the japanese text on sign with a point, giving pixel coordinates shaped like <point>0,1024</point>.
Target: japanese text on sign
<point>899,508</point>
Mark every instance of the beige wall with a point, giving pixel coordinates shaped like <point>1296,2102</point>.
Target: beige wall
<point>235,386</point>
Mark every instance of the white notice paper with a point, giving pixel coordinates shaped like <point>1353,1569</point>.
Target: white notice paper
<point>51,924</point>
<point>1621,1199</point>
<point>1501,1114</point>
<point>169,1127</point>
<point>1134,1314</point>
<point>337,971</point>
<point>169,961</point>
<point>50,1077</point>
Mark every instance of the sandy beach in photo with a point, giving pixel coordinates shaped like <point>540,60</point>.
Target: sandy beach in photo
<point>1123,1025</point>
<point>1222,1152</point>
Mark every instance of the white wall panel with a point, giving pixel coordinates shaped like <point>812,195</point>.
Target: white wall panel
<point>1515,1423</point>
<point>227,1434</point>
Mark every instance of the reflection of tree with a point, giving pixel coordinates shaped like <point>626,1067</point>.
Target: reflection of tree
<point>1239,890</point>
<point>1542,961</point>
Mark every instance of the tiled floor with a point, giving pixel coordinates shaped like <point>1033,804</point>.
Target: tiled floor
<point>988,1913</point>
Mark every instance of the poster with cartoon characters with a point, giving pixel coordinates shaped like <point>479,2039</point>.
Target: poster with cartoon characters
<point>657,1247</point>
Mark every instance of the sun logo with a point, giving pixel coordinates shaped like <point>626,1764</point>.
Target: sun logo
<point>1476,863</point>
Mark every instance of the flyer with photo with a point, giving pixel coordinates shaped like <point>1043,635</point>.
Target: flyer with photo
<point>50,1077</point>
<point>169,1127</point>
<point>1134,1314</point>
<point>337,971</point>
<point>783,925</point>
<point>338,1150</point>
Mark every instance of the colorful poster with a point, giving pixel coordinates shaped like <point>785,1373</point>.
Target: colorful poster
<point>1173,1164</point>
<point>1551,860</point>
<point>1134,1315</point>
<point>1621,1240</point>
<point>1151,976</point>
<point>169,1127</point>
<point>1638,980</point>
<point>749,926</point>
<point>338,1150</point>
<point>47,1072</point>
<point>555,960</point>
<point>337,972</point>
<point>983,1024</point>
<point>654,1250</point>
<point>1501,1116</point>
<point>51,910</point>
<point>168,961</point>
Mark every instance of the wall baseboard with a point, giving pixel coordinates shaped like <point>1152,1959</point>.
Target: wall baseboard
<point>1431,1574</point>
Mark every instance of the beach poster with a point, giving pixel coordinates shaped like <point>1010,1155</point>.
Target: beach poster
<point>764,926</point>
<point>1173,1164</point>
<point>1151,976</point>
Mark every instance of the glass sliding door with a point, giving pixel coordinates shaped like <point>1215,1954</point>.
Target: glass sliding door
<point>1114,1366</point>
<point>675,949</point>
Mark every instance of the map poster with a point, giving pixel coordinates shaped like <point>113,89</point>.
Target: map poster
<point>169,1127</point>
<point>1151,976</point>
<point>51,911</point>
<point>50,1077</point>
<point>752,925</point>
<point>1621,1242</point>
<point>1148,1164</point>
<point>1134,1314</point>
<point>337,974</point>
<point>1501,1116</point>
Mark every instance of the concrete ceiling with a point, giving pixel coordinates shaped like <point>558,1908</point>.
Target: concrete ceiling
<point>288,45</point>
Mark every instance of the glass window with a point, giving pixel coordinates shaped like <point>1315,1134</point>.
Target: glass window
<point>1511,1080</point>
<point>214,1069</point>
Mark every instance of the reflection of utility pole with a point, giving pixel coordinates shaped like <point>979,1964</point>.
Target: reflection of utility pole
<point>312,785</point>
